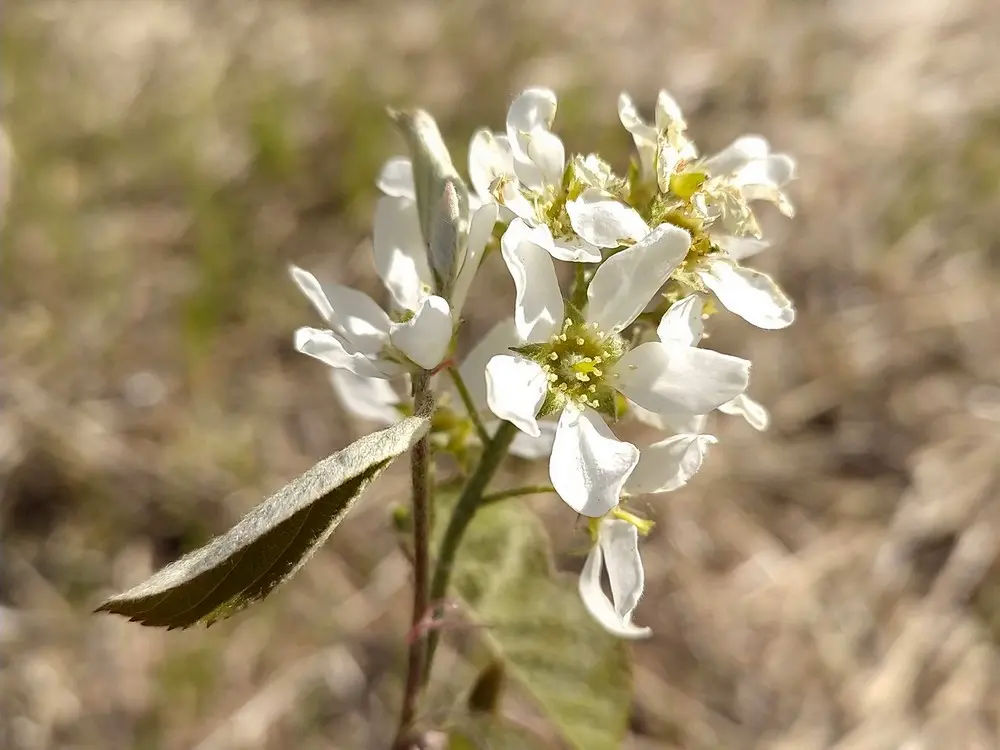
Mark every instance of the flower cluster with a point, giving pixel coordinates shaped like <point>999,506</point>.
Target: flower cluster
<point>651,254</point>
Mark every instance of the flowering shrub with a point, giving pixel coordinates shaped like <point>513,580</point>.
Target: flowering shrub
<point>654,253</point>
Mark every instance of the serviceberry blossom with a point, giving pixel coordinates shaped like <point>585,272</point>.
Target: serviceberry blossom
<point>616,551</point>
<point>376,400</point>
<point>574,363</point>
<point>711,197</point>
<point>370,342</point>
<point>653,251</point>
<point>533,180</point>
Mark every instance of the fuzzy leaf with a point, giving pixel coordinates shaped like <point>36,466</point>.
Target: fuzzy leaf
<point>489,733</point>
<point>533,621</point>
<point>268,544</point>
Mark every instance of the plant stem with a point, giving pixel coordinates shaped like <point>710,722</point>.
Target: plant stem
<point>465,509</point>
<point>470,406</point>
<point>534,489</point>
<point>423,405</point>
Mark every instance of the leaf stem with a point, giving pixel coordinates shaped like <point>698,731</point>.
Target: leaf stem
<point>531,489</point>
<point>423,405</point>
<point>470,406</point>
<point>468,503</point>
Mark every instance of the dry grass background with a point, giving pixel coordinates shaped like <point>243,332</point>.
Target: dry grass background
<point>831,584</point>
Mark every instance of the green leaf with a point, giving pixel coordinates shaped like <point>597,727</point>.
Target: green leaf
<point>267,545</point>
<point>533,620</point>
<point>489,733</point>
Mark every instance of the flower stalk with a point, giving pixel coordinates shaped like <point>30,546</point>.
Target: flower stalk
<point>465,509</point>
<point>423,400</point>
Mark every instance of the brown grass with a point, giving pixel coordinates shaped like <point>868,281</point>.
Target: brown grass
<point>831,584</point>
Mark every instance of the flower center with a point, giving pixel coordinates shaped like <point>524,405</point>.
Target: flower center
<point>550,208</point>
<point>575,361</point>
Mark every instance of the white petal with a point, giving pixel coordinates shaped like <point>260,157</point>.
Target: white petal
<point>531,448</point>
<point>668,464</point>
<point>680,379</point>
<point>753,412</point>
<point>682,323</point>
<point>597,602</point>
<point>513,200</point>
<point>480,231</point>
<point>529,175</point>
<point>625,282</point>
<point>399,252</point>
<point>310,286</point>
<point>367,398</point>
<point>739,248</point>
<point>737,155</point>
<point>604,221</point>
<point>515,389</point>
<point>353,315</point>
<point>750,294</point>
<point>668,113</point>
<point>396,178</point>
<point>574,250</point>
<point>358,318</point>
<point>643,133</point>
<point>489,158</point>
<point>674,421</point>
<point>763,179</point>
<point>619,541</point>
<point>589,465</point>
<point>425,337</point>
<point>533,109</point>
<point>538,303</point>
<point>497,340</point>
<point>546,151</point>
<point>774,171</point>
<point>329,348</point>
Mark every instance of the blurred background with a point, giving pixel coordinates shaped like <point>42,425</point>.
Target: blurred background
<point>832,583</point>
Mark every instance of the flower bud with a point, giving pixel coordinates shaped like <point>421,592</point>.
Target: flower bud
<point>442,196</point>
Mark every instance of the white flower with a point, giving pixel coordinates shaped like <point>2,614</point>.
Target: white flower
<point>662,146</point>
<point>547,193</point>
<point>498,340</point>
<point>617,551</point>
<point>375,400</point>
<point>683,324</point>
<point>745,171</point>
<point>575,366</point>
<point>716,193</point>
<point>748,164</point>
<point>396,181</point>
<point>363,338</point>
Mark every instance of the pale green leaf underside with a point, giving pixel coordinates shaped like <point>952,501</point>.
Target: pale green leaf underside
<point>579,675</point>
<point>488,733</point>
<point>268,544</point>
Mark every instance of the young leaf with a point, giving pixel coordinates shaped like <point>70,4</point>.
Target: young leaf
<point>268,544</point>
<point>534,621</point>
